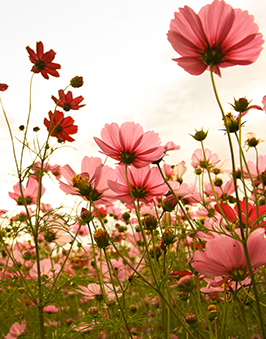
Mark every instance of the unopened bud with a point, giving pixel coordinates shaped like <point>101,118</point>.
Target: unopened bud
<point>86,215</point>
<point>191,319</point>
<point>218,182</point>
<point>101,238</point>
<point>186,283</point>
<point>76,82</point>
<point>149,222</point>
<point>110,302</point>
<point>200,135</point>
<point>133,308</point>
<point>93,311</point>
<point>168,236</point>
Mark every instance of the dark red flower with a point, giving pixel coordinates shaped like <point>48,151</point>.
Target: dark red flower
<point>43,61</point>
<point>3,87</point>
<point>67,102</point>
<point>60,126</point>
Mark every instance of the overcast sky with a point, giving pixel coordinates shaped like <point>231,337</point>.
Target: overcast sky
<point>121,49</point>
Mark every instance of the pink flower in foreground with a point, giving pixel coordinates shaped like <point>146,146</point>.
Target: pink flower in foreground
<point>145,183</point>
<point>30,193</point>
<point>130,145</point>
<point>16,330</point>
<point>218,36</point>
<point>224,256</point>
<point>91,184</point>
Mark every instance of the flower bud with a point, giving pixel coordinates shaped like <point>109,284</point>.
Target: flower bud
<point>186,283</point>
<point>110,302</point>
<point>218,182</point>
<point>155,252</point>
<point>191,319</point>
<point>169,203</point>
<point>149,222</point>
<point>240,105</point>
<point>133,308</point>
<point>168,236</point>
<point>232,123</point>
<point>76,82</point>
<point>86,215</point>
<point>101,238</point>
<point>200,135</point>
<point>93,311</point>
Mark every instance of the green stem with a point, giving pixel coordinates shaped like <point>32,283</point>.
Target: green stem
<point>244,238</point>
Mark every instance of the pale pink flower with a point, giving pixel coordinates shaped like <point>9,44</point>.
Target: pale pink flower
<point>222,192</point>
<point>145,183</point>
<point>218,36</point>
<point>171,146</point>
<point>129,144</point>
<point>91,184</point>
<point>167,171</point>
<point>82,230</point>
<point>93,291</point>
<point>179,170</point>
<point>52,309</point>
<point>224,256</point>
<point>257,171</point>
<point>47,269</point>
<point>30,193</point>
<point>198,160</point>
<point>16,330</point>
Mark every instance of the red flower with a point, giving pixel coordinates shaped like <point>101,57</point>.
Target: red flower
<point>218,36</point>
<point>43,61</point>
<point>67,102</point>
<point>60,127</point>
<point>249,214</point>
<point>3,87</point>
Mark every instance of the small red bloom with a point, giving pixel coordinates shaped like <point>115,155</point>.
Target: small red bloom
<point>67,102</point>
<point>3,87</point>
<point>43,61</point>
<point>60,127</point>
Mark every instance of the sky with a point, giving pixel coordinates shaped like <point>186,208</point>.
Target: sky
<point>121,49</point>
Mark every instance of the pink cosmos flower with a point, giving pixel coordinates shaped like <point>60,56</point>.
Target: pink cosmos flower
<point>257,171</point>
<point>47,269</point>
<point>222,192</point>
<point>171,146</point>
<point>128,144</point>
<point>218,36</point>
<point>93,291</point>
<point>198,160</point>
<point>30,193</point>
<point>91,184</point>
<point>16,330</point>
<point>145,183</point>
<point>224,256</point>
